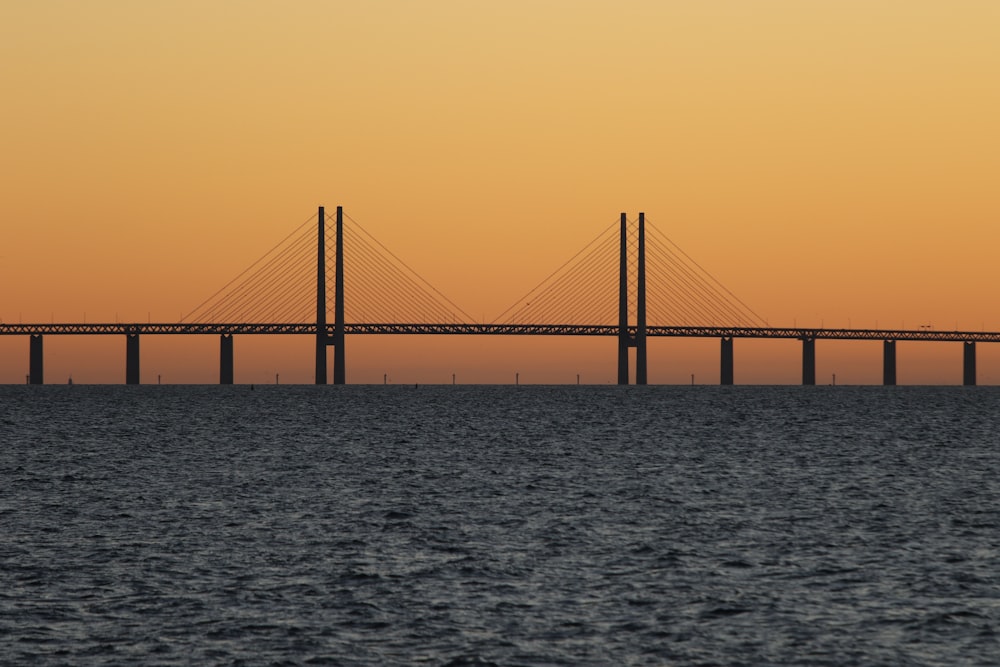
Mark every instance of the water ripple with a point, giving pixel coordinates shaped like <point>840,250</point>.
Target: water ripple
<point>499,526</point>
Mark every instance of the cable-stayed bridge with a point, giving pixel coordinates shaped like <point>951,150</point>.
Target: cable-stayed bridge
<point>631,282</point>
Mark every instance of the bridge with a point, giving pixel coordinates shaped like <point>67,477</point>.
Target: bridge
<point>271,298</point>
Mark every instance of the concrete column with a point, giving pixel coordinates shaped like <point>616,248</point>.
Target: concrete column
<point>969,363</point>
<point>727,362</point>
<point>132,358</point>
<point>623,304</point>
<point>226,359</point>
<point>339,358</point>
<point>36,360</point>
<point>321,338</point>
<point>640,312</point>
<point>809,361</point>
<point>889,363</point>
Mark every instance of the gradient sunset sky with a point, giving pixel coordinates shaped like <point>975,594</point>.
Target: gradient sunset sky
<point>832,163</point>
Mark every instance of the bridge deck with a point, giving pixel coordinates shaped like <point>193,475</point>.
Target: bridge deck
<point>376,328</point>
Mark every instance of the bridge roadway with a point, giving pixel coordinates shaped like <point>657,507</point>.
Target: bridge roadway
<point>382,328</point>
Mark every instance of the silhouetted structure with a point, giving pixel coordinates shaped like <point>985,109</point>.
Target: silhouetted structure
<point>889,362</point>
<point>969,363</point>
<point>628,335</point>
<point>726,367</point>
<point>624,340</point>
<point>226,365</point>
<point>808,360</point>
<point>36,361</point>
<point>132,357</point>
<point>322,340</point>
<point>640,308</point>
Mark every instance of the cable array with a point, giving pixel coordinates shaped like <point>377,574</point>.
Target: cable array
<point>279,287</point>
<point>380,287</point>
<point>584,290</point>
<point>679,292</point>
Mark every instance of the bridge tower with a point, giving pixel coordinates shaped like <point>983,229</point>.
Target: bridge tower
<point>640,307</point>
<point>323,338</point>
<point>626,337</point>
<point>339,370</point>
<point>623,337</point>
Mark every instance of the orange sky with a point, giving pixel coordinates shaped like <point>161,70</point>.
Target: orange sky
<point>832,163</point>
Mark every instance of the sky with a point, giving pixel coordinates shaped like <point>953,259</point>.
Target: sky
<point>832,163</point>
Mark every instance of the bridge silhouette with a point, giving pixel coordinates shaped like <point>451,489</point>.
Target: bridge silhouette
<point>607,289</point>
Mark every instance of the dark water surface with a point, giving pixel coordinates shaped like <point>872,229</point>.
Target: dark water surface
<point>499,525</point>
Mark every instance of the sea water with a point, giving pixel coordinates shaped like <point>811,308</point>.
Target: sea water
<point>499,525</point>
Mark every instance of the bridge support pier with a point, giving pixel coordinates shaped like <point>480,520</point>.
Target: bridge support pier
<point>726,367</point>
<point>36,360</point>
<point>226,359</point>
<point>889,363</point>
<point>808,361</point>
<point>969,363</point>
<point>132,358</point>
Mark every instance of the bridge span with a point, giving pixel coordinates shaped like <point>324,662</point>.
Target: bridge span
<point>492,329</point>
<point>631,333</point>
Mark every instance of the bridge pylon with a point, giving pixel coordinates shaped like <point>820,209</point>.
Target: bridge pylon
<point>626,338</point>
<point>623,337</point>
<point>323,338</point>
<point>640,308</point>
